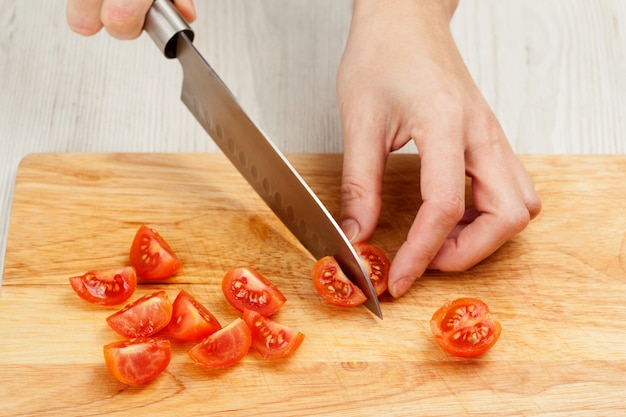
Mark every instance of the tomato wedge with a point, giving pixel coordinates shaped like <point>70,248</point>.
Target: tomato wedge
<point>106,287</point>
<point>137,361</point>
<point>376,264</point>
<point>271,339</point>
<point>334,286</point>
<point>463,327</point>
<point>245,288</point>
<point>145,317</point>
<point>151,256</point>
<point>191,321</point>
<point>223,348</point>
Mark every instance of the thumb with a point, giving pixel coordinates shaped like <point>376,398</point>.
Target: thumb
<point>361,183</point>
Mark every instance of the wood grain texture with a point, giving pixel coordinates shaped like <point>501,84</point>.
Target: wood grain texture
<point>553,72</point>
<point>558,289</point>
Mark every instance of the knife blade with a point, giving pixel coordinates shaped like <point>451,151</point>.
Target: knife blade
<point>256,157</point>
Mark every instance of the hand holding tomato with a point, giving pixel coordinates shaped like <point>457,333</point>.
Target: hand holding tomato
<point>401,78</point>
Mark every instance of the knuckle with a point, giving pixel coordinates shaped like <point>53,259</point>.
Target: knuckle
<point>122,21</point>
<point>451,208</point>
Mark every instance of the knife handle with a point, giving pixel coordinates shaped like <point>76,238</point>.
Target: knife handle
<point>163,23</point>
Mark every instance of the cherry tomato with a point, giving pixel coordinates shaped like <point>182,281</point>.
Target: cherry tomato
<point>270,339</point>
<point>376,264</point>
<point>106,287</point>
<point>463,327</point>
<point>145,317</point>
<point>223,348</point>
<point>137,361</point>
<point>334,286</point>
<point>191,321</point>
<point>151,256</point>
<point>245,288</point>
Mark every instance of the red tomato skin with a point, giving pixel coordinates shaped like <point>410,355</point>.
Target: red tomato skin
<point>271,339</point>
<point>143,318</point>
<point>106,287</point>
<point>376,264</point>
<point>152,257</point>
<point>334,286</point>
<point>223,348</point>
<point>464,327</point>
<point>245,288</point>
<point>137,361</point>
<point>191,321</point>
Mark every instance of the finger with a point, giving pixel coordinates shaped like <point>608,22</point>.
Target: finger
<point>443,195</point>
<point>124,19</point>
<point>505,203</point>
<point>83,16</point>
<point>186,9</point>
<point>361,181</point>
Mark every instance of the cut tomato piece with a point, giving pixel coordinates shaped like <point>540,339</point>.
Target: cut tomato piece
<point>334,286</point>
<point>106,287</point>
<point>145,317</point>
<point>151,256</point>
<point>376,264</point>
<point>191,321</point>
<point>223,348</point>
<point>271,339</point>
<point>137,361</point>
<point>245,288</point>
<point>464,327</point>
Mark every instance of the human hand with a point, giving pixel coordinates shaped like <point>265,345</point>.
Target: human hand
<point>123,19</point>
<point>401,77</point>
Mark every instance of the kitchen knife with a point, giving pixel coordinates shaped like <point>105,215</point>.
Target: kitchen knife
<point>259,161</point>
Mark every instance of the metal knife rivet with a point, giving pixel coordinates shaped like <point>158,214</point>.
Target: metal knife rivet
<point>254,172</point>
<point>278,199</point>
<point>242,158</point>
<point>266,185</point>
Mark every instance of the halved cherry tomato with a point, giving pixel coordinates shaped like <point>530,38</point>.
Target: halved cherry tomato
<point>245,288</point>
<point>145,317</point>
<point>137,361</point>
<point>270,339</point>
<point>106,287</point>
<point>223,348</point>
<point>191,320</point>
<point>376,264</point>
<point>463,327</point>
<point>151,256</point>
<point>334,286</point>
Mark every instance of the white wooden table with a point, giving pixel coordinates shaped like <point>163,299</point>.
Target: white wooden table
<point>553,71</point>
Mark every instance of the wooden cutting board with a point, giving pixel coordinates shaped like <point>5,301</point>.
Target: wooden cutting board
<point>559,289</point>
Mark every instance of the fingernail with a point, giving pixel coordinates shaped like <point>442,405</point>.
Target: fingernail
<point>401,286</point>
<point>351,228</point>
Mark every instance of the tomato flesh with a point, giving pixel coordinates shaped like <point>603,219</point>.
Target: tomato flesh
<point>245,288</point>
<point>106,287</point>
<point>271,339</point>
<point>137,361</point>
<point>376,264</point>
<point>465,328</point>
<point>191,321</point>
<point>334,286</point>
<point>145,317</point>
<point>223,348</point>
<point>152,256</point>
